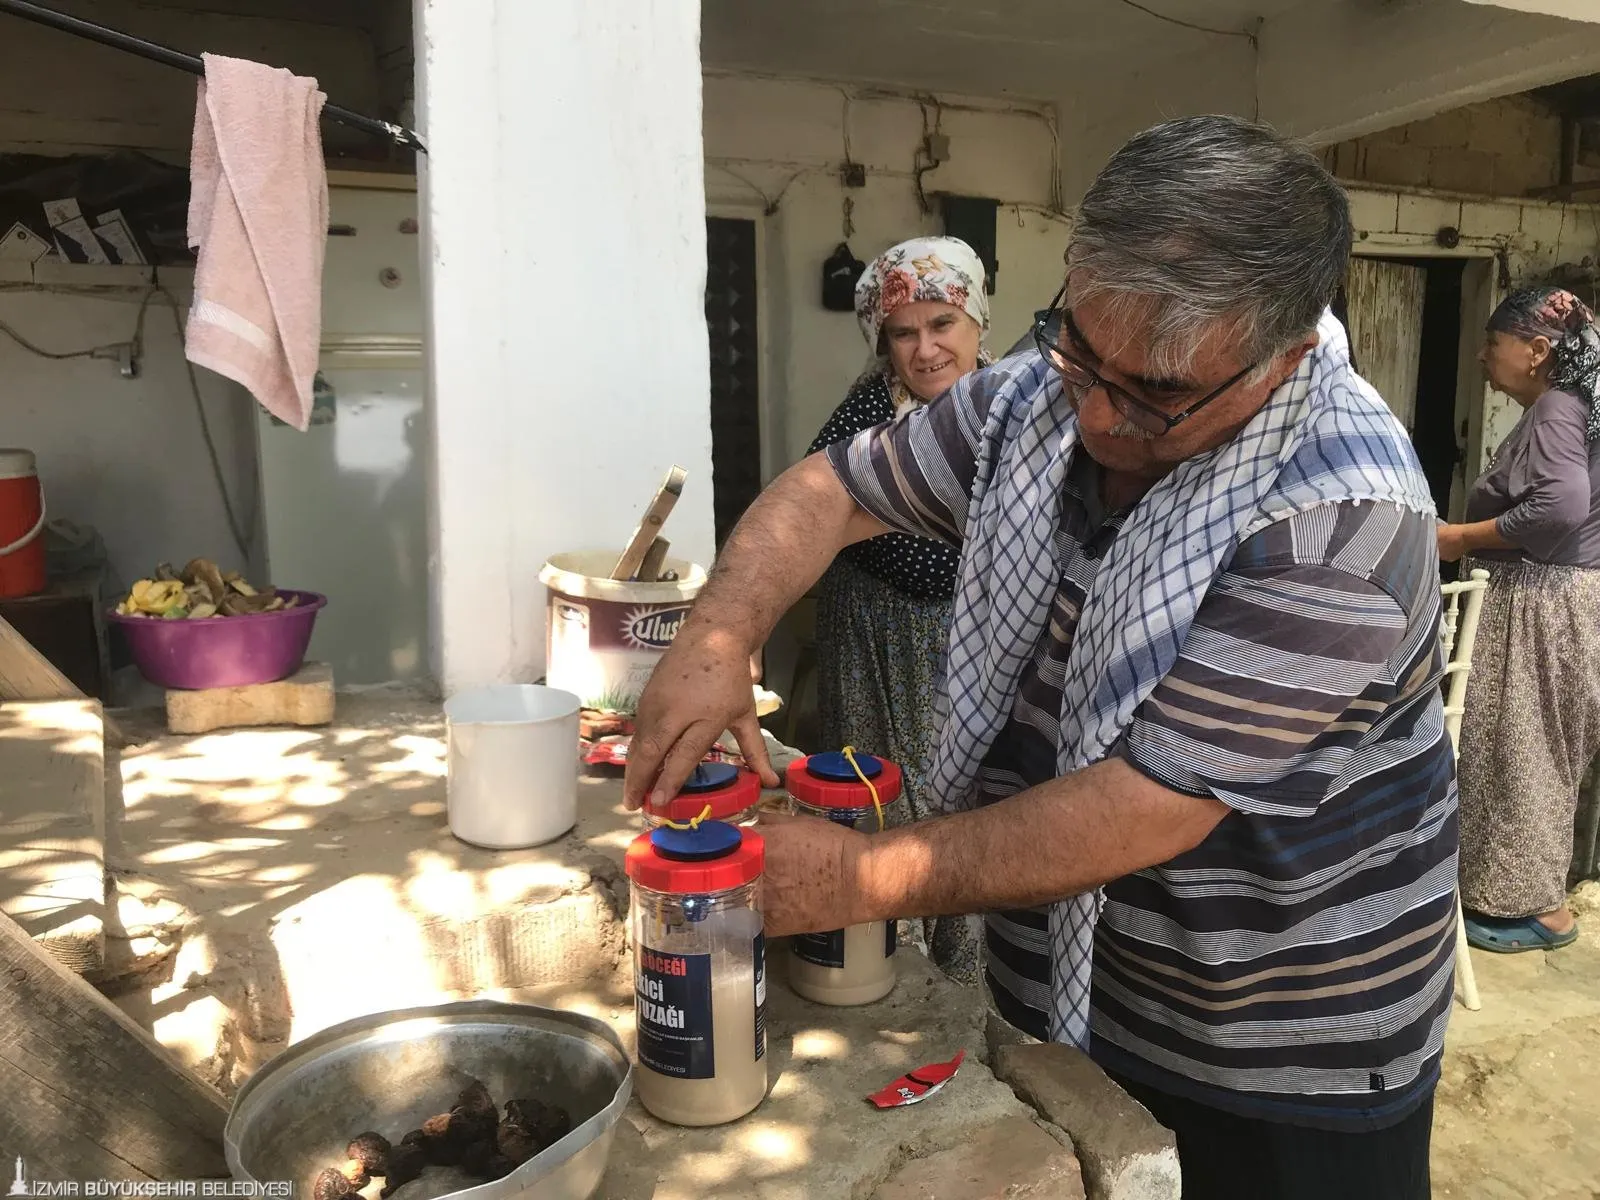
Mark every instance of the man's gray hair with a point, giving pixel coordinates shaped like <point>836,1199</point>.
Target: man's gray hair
<point>1206,223</point>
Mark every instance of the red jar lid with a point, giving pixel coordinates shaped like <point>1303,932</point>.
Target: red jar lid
<point>726,788</point>
<point>820,781</point>
<point>713,858</point>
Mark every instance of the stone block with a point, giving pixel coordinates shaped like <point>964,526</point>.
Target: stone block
<point>1399,166</point>
<point>1542,228</point>
<point>1490,220</point>
<point>1013,1159</point>
<point>305,698</point>
<point>1374,211</point>
<point>1126,1154</point>
<point>1448,129</point>
<point>1462,170</point>
<point>1428,214</point>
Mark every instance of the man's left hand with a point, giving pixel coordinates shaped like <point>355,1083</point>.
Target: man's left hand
<point>811,875</point>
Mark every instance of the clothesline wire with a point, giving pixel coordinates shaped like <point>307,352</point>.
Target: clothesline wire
<point>167,56</point>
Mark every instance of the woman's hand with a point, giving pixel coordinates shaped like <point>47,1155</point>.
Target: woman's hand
<point>1452,542</point>
<point>700,687</point>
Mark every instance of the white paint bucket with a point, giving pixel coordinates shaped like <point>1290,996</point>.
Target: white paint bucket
<point>603,637</point>
<point>513,765</point>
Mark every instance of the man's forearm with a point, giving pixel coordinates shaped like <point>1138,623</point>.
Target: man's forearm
<point>1055,840</point>
<point>781,546</point>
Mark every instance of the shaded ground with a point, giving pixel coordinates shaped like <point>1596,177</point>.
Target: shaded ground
<point>1518,1114</point>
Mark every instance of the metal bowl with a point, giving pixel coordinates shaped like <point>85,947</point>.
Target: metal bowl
<point>391,1071</point>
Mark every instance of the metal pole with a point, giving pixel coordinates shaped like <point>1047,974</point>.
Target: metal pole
<point>165,55</point>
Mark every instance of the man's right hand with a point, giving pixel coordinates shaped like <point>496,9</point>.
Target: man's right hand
<point>700,688</point>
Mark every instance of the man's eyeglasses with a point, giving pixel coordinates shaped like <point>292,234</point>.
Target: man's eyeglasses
<point>1080,378</point>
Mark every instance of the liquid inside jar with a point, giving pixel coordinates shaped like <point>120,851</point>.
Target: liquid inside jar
<point>844,967</point>
<point>700,990</point>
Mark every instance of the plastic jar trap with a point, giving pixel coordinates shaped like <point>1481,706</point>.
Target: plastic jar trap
<point>732,795</point>
<point>699,970</point>
<point>855,965</point>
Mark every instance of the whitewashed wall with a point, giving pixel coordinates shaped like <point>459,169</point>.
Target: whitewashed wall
<point>772,152</point>
<point>125,456</point>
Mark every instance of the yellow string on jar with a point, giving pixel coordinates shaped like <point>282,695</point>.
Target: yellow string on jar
<point>877,805</point>
<point>693,822</point>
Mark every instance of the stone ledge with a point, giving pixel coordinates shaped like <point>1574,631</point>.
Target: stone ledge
<point>1013,1159</point>
<point>305,698</point>
<point>1126,1154</point>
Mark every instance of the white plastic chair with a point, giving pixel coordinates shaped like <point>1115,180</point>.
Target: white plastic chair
<point>1458,631</point>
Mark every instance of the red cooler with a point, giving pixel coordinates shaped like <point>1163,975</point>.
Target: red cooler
<point>21,525</point>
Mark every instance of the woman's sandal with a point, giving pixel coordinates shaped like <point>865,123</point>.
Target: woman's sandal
<point>1513,936</point>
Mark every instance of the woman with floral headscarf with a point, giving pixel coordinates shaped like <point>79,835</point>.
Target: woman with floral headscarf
<point>883,616</point>
<point>1532,720</point>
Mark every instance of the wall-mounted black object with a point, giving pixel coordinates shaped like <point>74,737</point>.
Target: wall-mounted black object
<point>839,275</point>
<point>973,219</point>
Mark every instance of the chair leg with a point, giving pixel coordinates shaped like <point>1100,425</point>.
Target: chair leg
<point>1466,982</point>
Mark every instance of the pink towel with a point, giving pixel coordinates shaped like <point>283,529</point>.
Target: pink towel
<point>258,214</point>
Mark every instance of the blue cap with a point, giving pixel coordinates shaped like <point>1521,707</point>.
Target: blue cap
<point>709,777</point>
<point>836,768</point>
<point>710,839</point>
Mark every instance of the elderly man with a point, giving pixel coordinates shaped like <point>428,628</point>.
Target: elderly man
<point>1194,663</point>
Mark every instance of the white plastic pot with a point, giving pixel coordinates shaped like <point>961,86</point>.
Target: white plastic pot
<point>513,765</point>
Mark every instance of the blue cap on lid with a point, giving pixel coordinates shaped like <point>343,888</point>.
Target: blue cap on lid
<point>834,766</point>
<point>708,840</point>
<point>709,777</point>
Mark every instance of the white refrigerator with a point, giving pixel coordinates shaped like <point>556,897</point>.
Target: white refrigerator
<point>344,504</point>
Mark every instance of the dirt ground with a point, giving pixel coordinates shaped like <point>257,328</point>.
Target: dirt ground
<point>1518,1110</point>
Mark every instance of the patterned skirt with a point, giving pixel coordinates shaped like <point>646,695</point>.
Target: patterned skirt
<point>1530,729</point>
<point>878,655</point>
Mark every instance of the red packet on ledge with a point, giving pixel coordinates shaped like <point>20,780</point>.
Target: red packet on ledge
<point>916,1086</point>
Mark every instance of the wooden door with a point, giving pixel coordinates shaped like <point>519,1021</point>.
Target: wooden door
<point>735,374</point>
<point>1384,316</point>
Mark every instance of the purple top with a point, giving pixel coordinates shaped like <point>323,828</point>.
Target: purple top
<point>1542,487</point>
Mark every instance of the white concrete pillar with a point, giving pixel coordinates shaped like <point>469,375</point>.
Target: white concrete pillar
<point>564,231</point>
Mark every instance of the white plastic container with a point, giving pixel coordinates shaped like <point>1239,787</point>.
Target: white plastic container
<point>513,765</point>
<point>603,636</point>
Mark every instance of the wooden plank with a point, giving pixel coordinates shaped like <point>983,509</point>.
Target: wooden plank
<point>53,825</point>
<point>25,674</point>
<point>88,1094</point>
<point>654,518</point>
<point>654,559</point>
<point>1385,304</point>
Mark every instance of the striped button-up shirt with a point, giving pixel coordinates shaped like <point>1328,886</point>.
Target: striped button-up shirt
<point>1297,964</point>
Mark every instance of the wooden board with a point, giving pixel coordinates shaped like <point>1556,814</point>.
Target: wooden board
<point>53,824</point>
<point>88,1094</point>
<point>25,674</point>
<point>1385,312</point>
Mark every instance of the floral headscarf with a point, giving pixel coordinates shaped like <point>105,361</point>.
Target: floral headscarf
<point>1556,314</point>
<point>944,269</point>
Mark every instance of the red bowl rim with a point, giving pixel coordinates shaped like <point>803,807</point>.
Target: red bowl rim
<point>310,602</point>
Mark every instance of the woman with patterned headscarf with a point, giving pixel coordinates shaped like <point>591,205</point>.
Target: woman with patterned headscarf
<point>883,616</point>
<point>1532,720</point>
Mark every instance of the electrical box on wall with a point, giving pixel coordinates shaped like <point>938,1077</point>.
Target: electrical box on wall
<point>973,219</point>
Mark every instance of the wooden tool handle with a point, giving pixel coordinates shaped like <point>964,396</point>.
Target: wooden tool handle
<point>654,559</point>
<point>649,528</point>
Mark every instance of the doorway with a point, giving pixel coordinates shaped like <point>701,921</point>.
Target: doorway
<point>731,312</point>
<point>1404,318</point>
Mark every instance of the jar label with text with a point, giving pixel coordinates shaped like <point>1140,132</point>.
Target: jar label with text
<point>673,1003</point>
<point>761,996</point>
<point>820,949</point>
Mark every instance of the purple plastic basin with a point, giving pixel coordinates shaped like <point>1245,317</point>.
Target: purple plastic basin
<point>223,651</point>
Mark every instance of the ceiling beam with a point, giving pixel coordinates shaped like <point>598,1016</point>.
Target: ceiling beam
<point>1569,10</point>
<point>1378,68</point>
